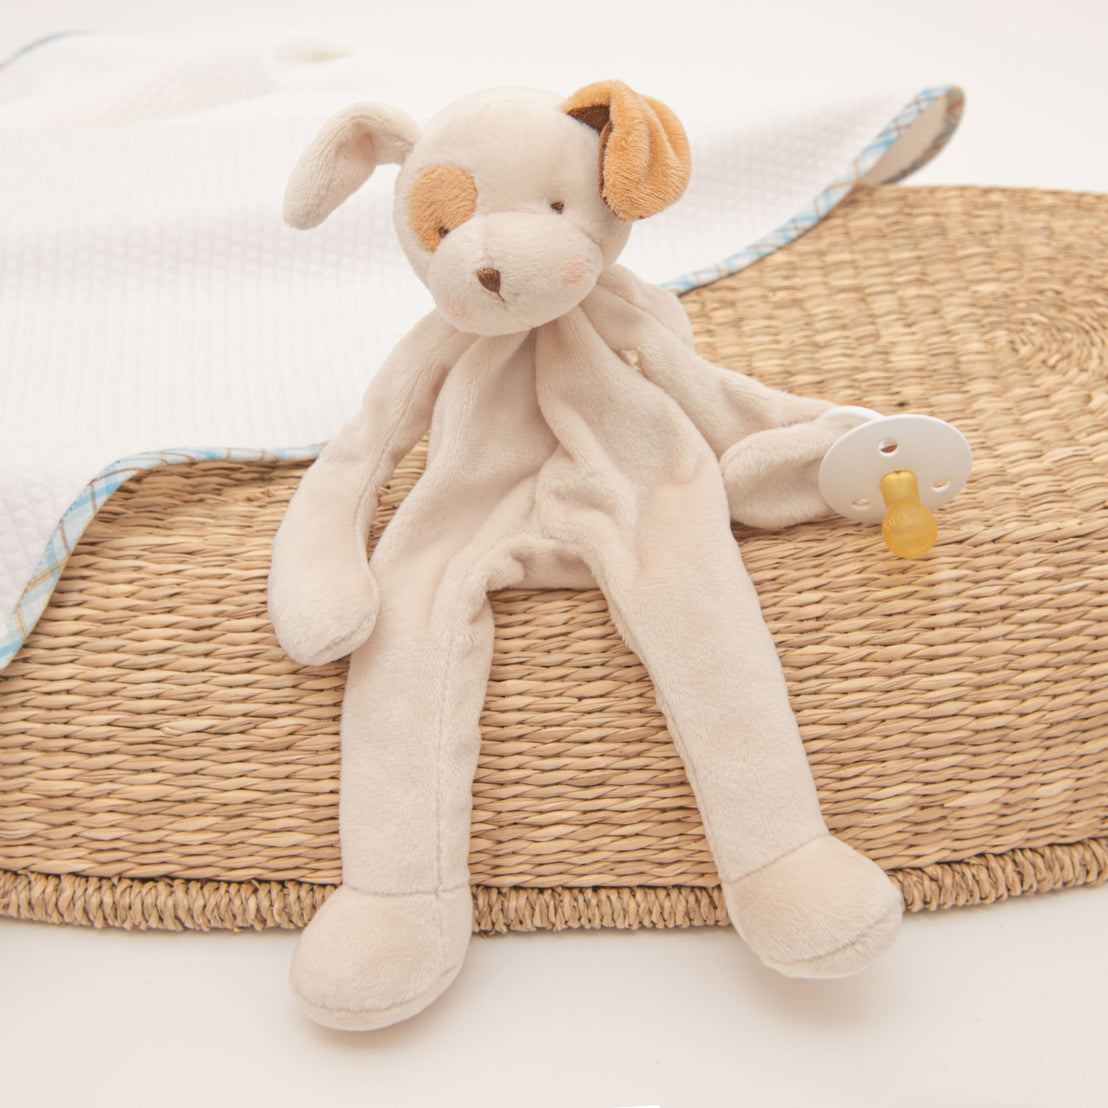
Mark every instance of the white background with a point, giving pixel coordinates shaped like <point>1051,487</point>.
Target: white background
<point>1001,1006</point>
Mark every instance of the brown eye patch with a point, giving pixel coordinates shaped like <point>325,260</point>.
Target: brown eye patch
<point>443,197</point>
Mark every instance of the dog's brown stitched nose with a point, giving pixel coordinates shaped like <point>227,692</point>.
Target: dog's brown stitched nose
<point>490,278</point>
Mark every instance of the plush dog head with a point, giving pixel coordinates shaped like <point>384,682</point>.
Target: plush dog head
<point>512,202</point>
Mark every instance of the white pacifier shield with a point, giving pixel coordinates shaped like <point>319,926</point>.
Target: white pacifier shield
<point>936,452</point>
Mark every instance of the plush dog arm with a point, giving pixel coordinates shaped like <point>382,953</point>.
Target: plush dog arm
<point>770,443</point>
<point>726,406</point>
<point>772,476</point>
<point>322,596</point>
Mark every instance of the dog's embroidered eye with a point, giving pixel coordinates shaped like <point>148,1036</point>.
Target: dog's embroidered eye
<point>558,206</point>
<point>443,198</point>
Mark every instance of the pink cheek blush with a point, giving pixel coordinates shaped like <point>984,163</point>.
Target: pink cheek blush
<point>456,310</point>
<point>574,274</point>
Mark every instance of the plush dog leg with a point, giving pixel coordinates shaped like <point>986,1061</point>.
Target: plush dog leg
<point>367,961</point>
<point>394,936</point>
<point>808,905</point>
<point>822,910</point>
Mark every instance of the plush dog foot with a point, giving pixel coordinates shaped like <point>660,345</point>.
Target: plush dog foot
<point>366,961</point>
<point>822,910</point>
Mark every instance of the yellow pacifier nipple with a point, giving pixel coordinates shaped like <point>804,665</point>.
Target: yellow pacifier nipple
<point>908,529</point>
<point>914,463</point>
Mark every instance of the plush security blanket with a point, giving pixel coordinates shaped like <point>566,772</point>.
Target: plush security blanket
<point>154,309</point>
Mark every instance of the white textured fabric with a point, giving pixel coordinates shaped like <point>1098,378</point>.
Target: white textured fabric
<point>151,298</point>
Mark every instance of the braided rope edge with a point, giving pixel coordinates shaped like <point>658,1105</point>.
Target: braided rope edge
<point>176,905</point>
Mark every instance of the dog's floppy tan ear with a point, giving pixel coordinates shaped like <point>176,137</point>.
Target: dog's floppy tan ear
<point>341,157</point>
<point>644,152</point>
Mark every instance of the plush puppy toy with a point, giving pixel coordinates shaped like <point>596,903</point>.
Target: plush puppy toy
<point>575,439</point>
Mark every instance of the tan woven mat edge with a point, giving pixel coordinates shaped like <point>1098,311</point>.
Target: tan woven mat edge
<point>170,905</point>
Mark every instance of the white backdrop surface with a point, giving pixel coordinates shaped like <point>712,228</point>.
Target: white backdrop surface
<point>991,1007</point>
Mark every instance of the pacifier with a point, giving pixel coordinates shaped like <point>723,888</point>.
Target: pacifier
<point>896,471</point>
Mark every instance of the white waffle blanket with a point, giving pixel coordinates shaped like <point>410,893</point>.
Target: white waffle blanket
<point>154,309</point>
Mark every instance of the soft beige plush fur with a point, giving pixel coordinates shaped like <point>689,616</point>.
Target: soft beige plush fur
<point>556,458</point>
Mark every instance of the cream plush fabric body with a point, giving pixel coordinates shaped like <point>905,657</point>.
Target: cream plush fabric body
<point>566,450</point>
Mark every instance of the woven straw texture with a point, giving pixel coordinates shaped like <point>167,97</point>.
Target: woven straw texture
<point>163,764</point>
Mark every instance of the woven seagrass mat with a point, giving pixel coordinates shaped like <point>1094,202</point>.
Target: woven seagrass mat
<point>163,764</point>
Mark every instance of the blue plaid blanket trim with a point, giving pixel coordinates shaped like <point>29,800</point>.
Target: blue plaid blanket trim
<point>79,514</point>
<point>843,185</point>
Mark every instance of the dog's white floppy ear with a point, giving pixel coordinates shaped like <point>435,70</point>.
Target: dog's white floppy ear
<point>341,157</point>
<point>644,151</point>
